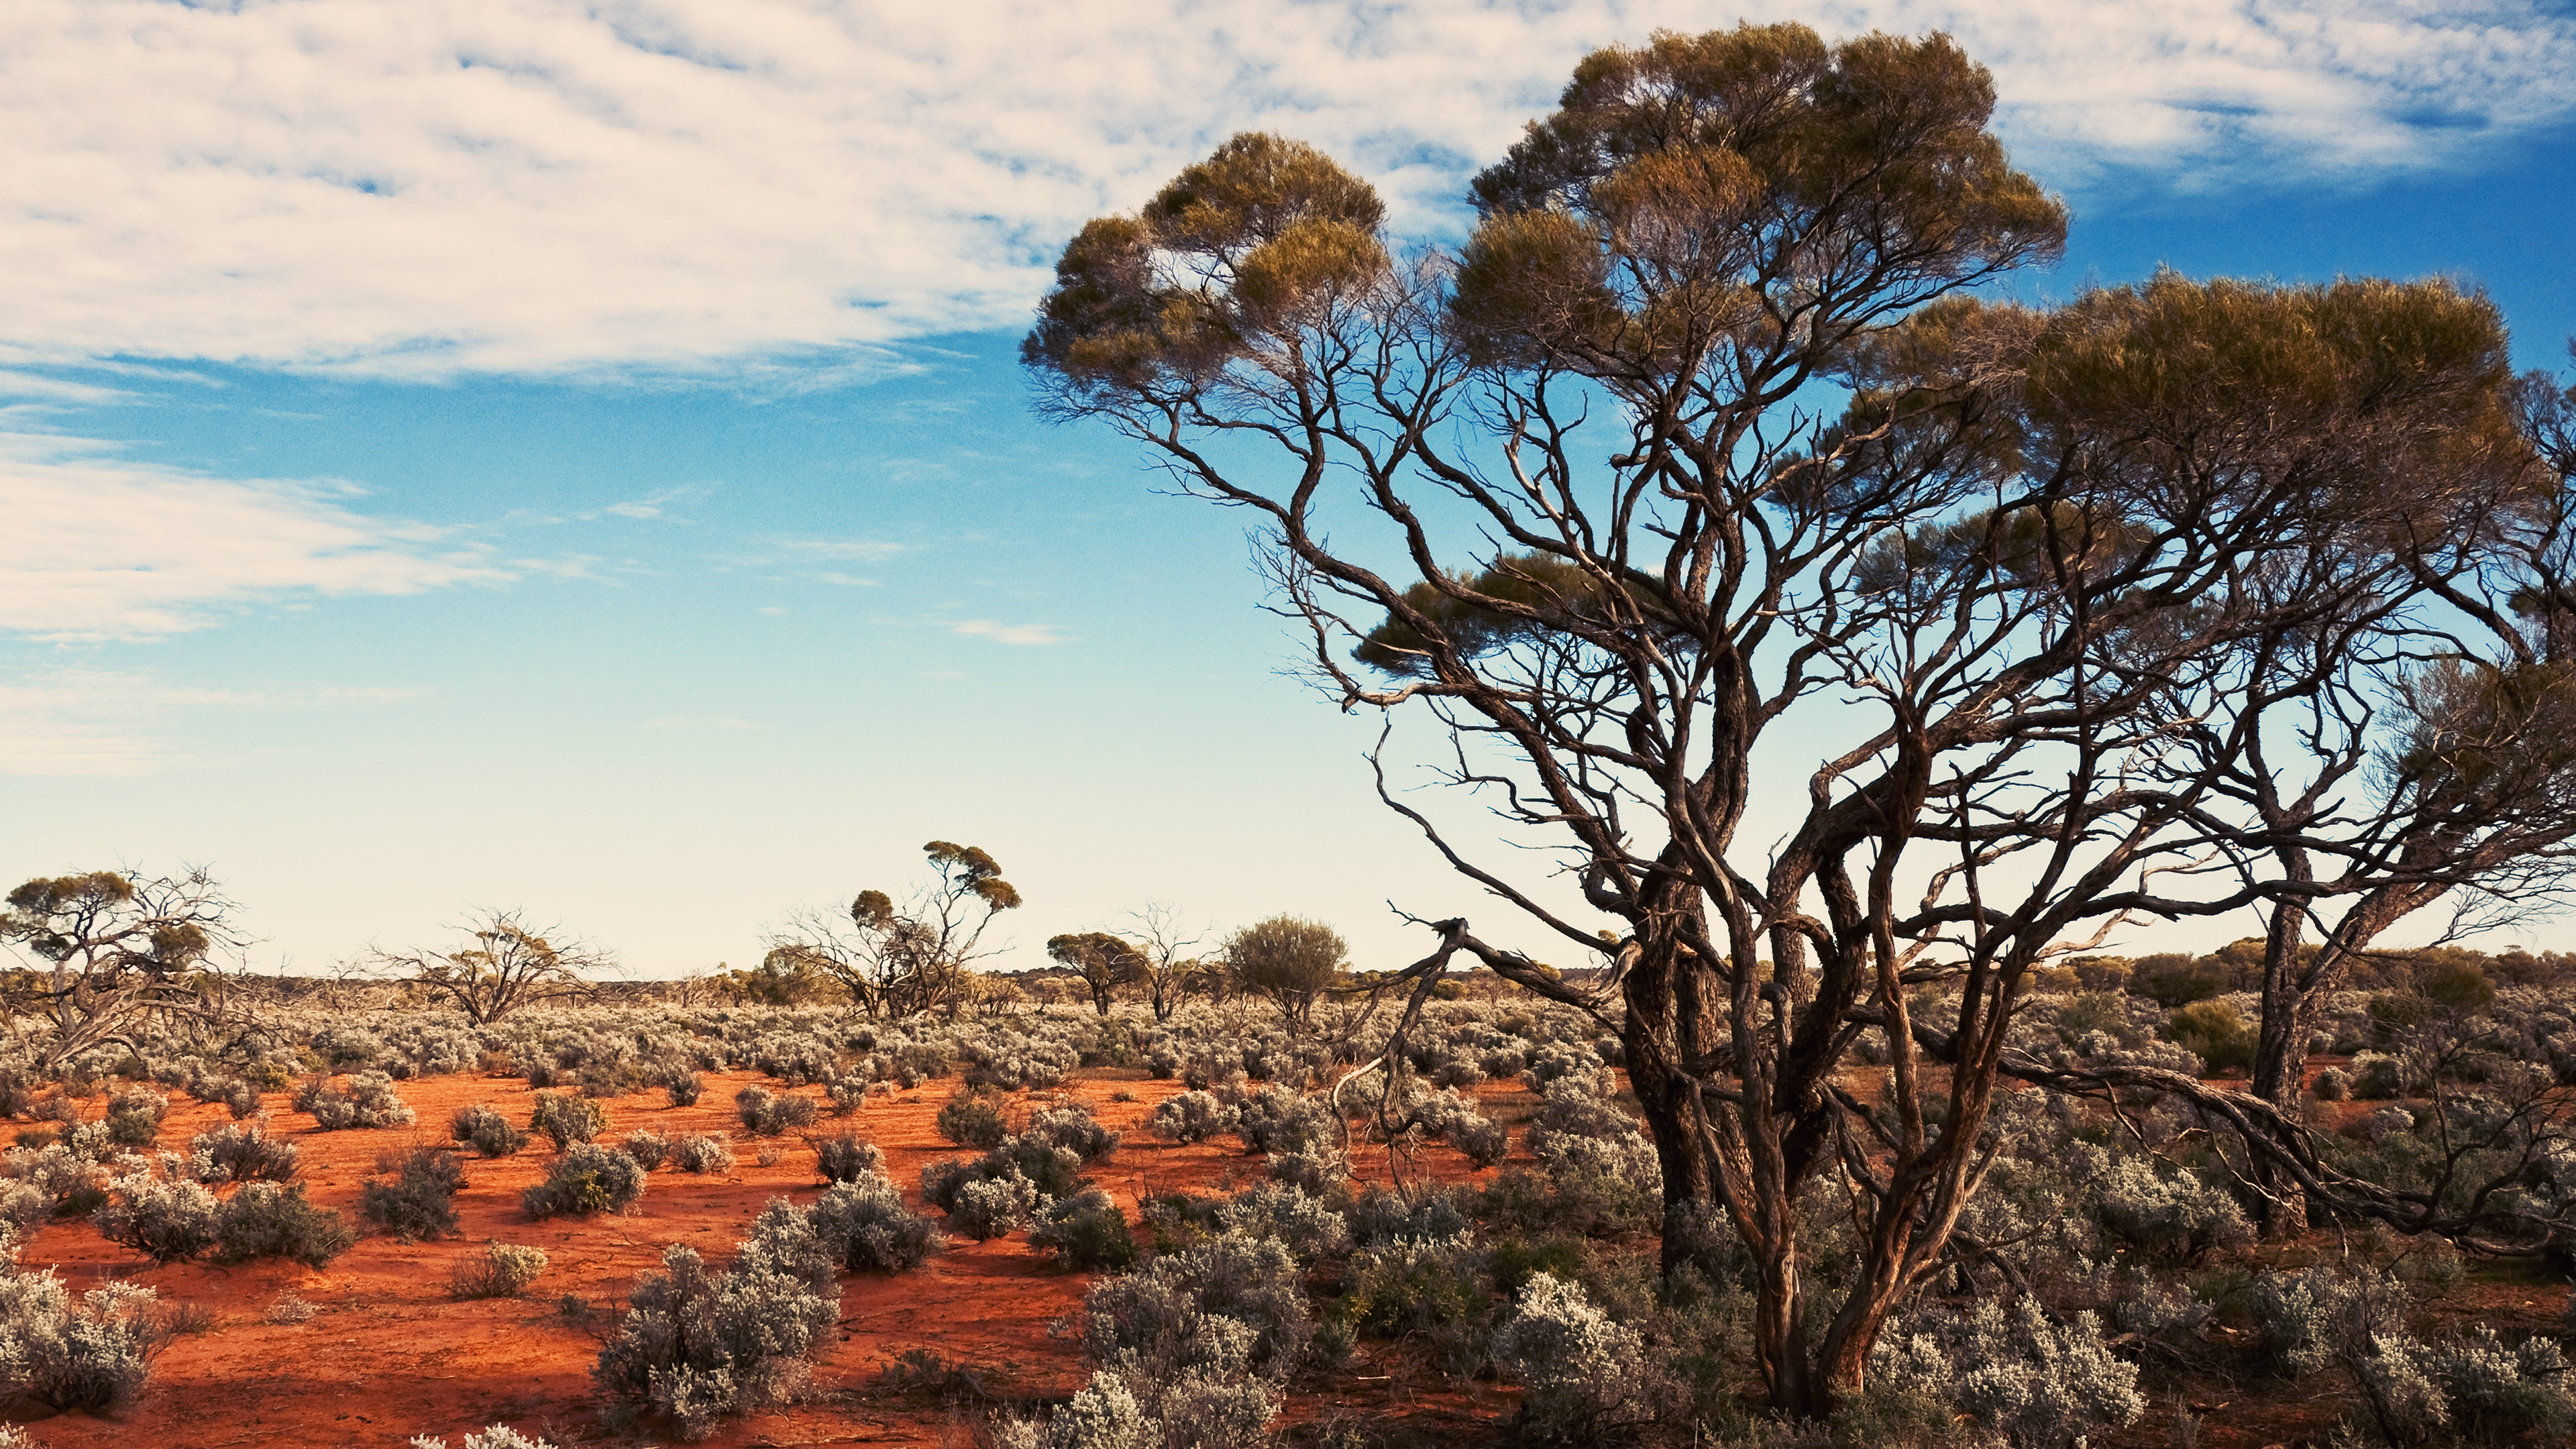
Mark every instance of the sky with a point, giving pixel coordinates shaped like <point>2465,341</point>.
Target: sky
<point>570,456</point>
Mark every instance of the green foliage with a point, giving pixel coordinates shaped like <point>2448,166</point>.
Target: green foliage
<point>417,1201</point>
<point>587,1179</point>
<point>1087,1232</point>
<point>1288,959</point>
<point>501,1270</point>
<point>266,1220</point>
<point>565,1119</point>
<point>973,1118</point>
<point>2214,1031</point>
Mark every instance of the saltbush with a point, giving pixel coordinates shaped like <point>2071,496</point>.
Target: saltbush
<point>988,1207</point>
<point>501,1270</point>
<point>1072,1127</point>
<point>367,1101</point>
<point>1309,1228</point>
<point>498,1436</point>
<point>846,1158</point>
<point>90,1356</point>
<point>486,1131</point>
<point>770,1115</point>
<point>267,1220</point>
<point>587,1179</point>
<point>565,1119</point>
<point>1087,1232</point>
<point>2041,1383</point>
<point>702,1152</point>
<point>416,1201</point>
<point>865,1224</point>
<point>971,1118</point>
<point>649,1148</point>
<point>1192,1117</point>
<point>1577,1368</point>
<point>237,1153</point>
<point>697,1344</point>
<point>168,1219</point>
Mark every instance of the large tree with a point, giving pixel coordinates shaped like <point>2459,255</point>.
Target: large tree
<point>111,950</point>
<point>509,967</point>
<point>1698,466</point>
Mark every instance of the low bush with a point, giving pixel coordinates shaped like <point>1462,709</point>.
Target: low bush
<point>684,1088</point>
<point>650,1149</point>
<point>587,1179</point>
<point>267,1220</point>
<point>989,1207</point>
<point>696,1345</point>
<point>972,1118</point>
<point>1072,1127</point>
<point>771,1115</point>
<point>499,1436</point>
<point>90,1356</point>
<point>2334,1084</point>
<point>235,1153</point>
<point>2213,1031</point>
<point>2165,1213</point>
<point>1192,1117</point>
<point>565,1119</point>
<point>367,1101</point>
<point>134,1117</point>
<point>864,1223</point>
<point>415,1199</point>
<point>784,1241</point>
<point>1414,1286</point>
<point>702,1152</point>
<point>1279,1119</point>
<point>2472,1389</point>
<point>167,1219</point>
<point>1087,1232</point>
<point>2041,1383</point>
<point>1485,1142</point>
<point>501,1270</point>
<point>1231,1299</point>
<point>847,1159</point>
<point>486,1131</point>
<point>1577,1368</point>
<point>1308,1228</point>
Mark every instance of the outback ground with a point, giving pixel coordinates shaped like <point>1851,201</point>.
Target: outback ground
<point>372,1350</point>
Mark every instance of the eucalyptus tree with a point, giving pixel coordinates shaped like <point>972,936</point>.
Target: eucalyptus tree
<point>1103,961</point>
<point>898,959</point>
<point>1699,466</point>
<point>510,967</point>
<point>113,949</point>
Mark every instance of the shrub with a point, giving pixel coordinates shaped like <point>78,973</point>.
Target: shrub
<point>696,1345</point>
<point>865,1224</point>
<point>1087,1232</point>
<point>501,1270</point>
<point>169,1220</point>
<point>2168,1214</point>
<point>1200,1408</point>
<point>988,1207</point>
<point>587,1179</point>
<point>1576,1367</point>
<point>1073,1128</point>
<point>1316,1172</point>
<point>970,1119</point>
<point>2310,1320</point>
<point>416,1203</point>
<point>2334,1084</point>
<point>565,1119</point>
<point>684,1088</point>
<point>1192,1117</point>
<point>2377,1078</point>
<point>847,1159</point>
<point>1307,1227</point>
<point>1280,1120</point>
<point>367,1101</point>
<point>92,1356</point>
<point>1485,1142</point>
<point>2041,1384</point>
<point>1408,1286</point>
<point>784,1241</point>
<point>702,1152</point>
<point>2497,1394</point>
<point>134,1117</point>
<point>1381,1216</point>
<point>649,1148</point>
<point>1231,1301</point>
<point>2213,1031</point>
<point>499,1436</point>
<point>486,1131</point>
<point>769,1115</point>
<point>234,1153</point>
<point>266,1220</point>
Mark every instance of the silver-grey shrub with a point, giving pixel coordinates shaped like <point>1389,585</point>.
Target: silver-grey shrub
<point>696,1344</point>
<point>1192,1117</point>
<point>168,1219</point>
<point>241,1153</point>
<point>865,1223</point>
<point>1577,1368</point>
<point>89,1355</point>
<point>367,1101</point>
<point>2040,1382</point>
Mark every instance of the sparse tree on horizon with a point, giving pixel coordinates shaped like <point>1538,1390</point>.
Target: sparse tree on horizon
<point>114,948</point>
<point>1287,960</point>
<point>895,961</point>
<point>511,966</point>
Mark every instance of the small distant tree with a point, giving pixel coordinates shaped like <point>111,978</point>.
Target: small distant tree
<point>895,961</point>
<point>114,948</point>
<point>1103,961</point>
<point>1288,960</point>
<point>1170,970</point>
<point>510,965</point>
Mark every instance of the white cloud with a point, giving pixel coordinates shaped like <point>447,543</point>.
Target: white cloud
<point>122,722</point>
<point>100,548</point>
<point>780,187</point>
<point>1001,633</point>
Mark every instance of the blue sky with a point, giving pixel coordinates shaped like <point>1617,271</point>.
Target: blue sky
<point>462,455</point>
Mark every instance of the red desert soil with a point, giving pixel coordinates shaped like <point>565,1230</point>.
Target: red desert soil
<point>388,1355</point>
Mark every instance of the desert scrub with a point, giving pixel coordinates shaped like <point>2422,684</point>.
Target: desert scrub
<point>134,1117</point>
<point>972,1118</point>
<point>91,1355</point>
<point>565,1119</point>
<point>237,1153</point>
<point>269,1220</point>
<point>1279,1120</point>
<point>587,1179</point>
<point>866,1226</point>
<point>1276,1210</point>
<point>498,1436</point>
<point>2040,1382</point>
<point>1072,1127</point>
<point>683,1088</point>
<point>649,1148</point>
<point>167,1219</point>
<point>1577,1368</point>
<point>367,1101</point>
<point>1192,1117</point>
<point>702,1152</point>
<point>486,1131</point>
<point>846,1159</point>
<point>697,1345</point>
<point>767,1114</point>
<point>1087,1233</point>
<point>1231,1295</point>
<point>501,1270</point>
<point>415,1200</point>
